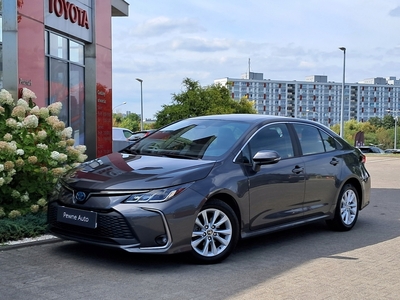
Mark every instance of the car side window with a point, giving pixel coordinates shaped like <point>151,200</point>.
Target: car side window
<point>273,137</point>
<point>329,142</point>
<point>310,139</point>
<point>127,133</point>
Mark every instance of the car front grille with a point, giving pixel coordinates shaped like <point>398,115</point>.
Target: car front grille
<point>111,226</point>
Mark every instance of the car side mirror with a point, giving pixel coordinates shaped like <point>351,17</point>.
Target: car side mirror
<point>265,157</point>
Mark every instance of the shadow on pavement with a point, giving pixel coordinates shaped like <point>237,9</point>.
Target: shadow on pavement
<point>257,259</point>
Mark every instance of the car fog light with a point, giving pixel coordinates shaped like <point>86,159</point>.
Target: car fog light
<point>161,240</point>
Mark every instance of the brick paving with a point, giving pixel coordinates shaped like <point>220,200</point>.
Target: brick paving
<point>309,262</point>
<point>370,272</point>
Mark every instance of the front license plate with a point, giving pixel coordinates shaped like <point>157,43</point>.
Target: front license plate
<point>77,217</point>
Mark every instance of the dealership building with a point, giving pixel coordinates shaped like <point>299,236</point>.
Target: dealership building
<point>316,98</point>
<point>62,51</point>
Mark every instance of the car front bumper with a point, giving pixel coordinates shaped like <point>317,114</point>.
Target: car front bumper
<point>138,228</point>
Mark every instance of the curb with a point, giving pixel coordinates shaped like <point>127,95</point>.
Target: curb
<point>33,242</point>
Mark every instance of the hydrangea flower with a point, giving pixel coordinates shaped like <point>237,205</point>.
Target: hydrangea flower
<point>18,112</point>
<point>55,108</point>
<point>27,94</point>
<point>6,97</point>
<point>42,146</point>
<point>14,214</point>
<point>31,121</point>
<point>35,150</point>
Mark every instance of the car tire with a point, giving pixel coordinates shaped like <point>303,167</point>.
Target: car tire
<point>346,212</point>
<point>215,232</point>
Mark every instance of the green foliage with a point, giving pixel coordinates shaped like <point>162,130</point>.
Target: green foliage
<point>377,131</point>
<point>35,150</point>
<point>198,101</point>
<point>117,119</point>
<point>388,122</point>
<point>30,225</point>
<point>375,121</point>
<point>131,121</point>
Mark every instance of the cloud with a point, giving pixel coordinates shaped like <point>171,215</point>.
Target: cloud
<point>306,65</point>
<point>285,40</point>
<point>160,26</point>
<point>395,12</point>
<point>198,44</point>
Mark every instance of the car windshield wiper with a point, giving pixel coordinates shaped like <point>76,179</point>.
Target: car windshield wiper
<point>177,155</point>
<point>129,150</point>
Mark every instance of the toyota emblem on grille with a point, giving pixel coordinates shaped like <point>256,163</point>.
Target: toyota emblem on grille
<point>80,196</point>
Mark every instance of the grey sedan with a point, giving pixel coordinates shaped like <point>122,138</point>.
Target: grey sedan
<point>201,184</point>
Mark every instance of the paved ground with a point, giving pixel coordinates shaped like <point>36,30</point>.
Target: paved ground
<point>310,262</point>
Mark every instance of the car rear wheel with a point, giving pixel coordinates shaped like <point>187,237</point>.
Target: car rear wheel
<point>346,212</point>
<point>215,232</point>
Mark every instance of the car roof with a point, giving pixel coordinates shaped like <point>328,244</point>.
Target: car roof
<point>368,147</point>
<point>257,118</point>
<point>121,128</point>
<point>251,118</point>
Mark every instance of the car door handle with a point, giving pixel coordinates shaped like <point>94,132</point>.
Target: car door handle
<point>297,170</point>
<point>334,162</point>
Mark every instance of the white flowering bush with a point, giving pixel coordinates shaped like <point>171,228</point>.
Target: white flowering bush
<point>35,150</point>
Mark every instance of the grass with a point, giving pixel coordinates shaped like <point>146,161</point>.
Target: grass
<point>27,226</point>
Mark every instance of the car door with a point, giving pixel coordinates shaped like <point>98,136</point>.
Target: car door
<point>276,191</point>
<point>322,166</point>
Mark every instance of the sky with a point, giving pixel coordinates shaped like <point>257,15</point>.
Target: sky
<point>163,42</point>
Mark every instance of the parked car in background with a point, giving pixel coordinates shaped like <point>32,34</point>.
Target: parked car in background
<point>371,149</point>
<point>120,138</point>
<point>392,151</point>
<point>140,134</point>
<point>201,184</point>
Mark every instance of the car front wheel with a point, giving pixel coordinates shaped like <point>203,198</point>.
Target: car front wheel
<point>215,232</point>
<point>346,212</point>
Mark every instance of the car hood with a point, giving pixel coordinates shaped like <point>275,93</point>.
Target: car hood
<point>120,171</point>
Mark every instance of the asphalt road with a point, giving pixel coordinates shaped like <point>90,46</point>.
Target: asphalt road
<point>310,262</point>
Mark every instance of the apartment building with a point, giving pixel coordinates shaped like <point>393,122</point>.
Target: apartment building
<point>316,98</point>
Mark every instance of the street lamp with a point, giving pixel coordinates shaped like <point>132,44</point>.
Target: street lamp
<point>342,101</point>
<point>313,114</point>
<point>395,132</point>
<point>395,126</point>
<point>123,103</point>
<point>141,102</point>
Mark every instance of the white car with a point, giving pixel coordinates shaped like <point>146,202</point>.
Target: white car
<point>120,138</point>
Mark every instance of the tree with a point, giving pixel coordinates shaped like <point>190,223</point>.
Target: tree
<point>131,121</point>
<point>351,128</point>
<point>384,138</point>
<point>388,122</point>
<point>376,121</point>
<point>195,100</point>
<point>117,119</point>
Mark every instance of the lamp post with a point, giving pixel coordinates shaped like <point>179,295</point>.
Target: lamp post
<point>395,132</point>
<point>123,103</point>
<point>313,114</point>
<point>141,102</point>
<point>395,127</point>
<point>342,101</point>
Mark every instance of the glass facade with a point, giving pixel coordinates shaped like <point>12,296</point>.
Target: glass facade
<point>65,73</point>
<point>1,44</point>
<point>49,51</point>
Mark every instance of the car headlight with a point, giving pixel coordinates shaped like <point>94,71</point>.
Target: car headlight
<point>160,195</point>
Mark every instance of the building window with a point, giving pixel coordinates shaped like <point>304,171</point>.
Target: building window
<point>65,73</point>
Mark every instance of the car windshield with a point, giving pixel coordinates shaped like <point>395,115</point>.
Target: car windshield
<point>192,138</point>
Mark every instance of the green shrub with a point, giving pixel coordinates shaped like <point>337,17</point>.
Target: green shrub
<point>27,226</point>
<point>35,150</point>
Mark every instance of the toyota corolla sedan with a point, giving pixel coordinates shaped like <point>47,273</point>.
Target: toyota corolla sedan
<point>201,184</point>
